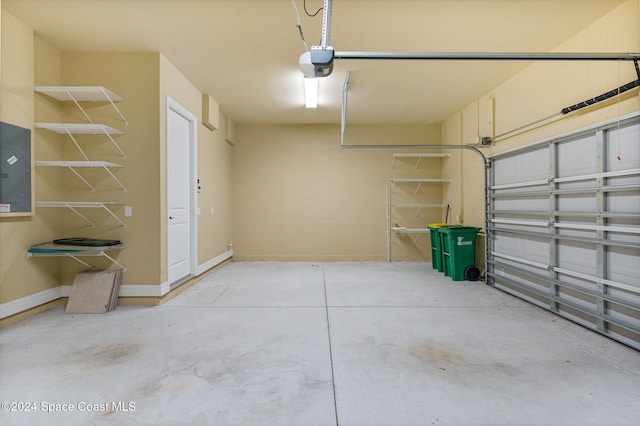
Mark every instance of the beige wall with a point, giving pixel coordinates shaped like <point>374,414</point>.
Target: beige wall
<point>298,196</point>
<point>144,80</point>
<point>543,89</point>
<point>19,276</point>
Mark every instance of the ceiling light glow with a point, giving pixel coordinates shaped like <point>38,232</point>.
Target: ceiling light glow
<point>310,92</point>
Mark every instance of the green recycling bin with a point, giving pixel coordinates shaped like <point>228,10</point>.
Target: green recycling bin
<point>436,245</point>
<point>459,252</point>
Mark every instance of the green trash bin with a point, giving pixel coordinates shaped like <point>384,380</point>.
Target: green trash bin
<point>436,245</point>
<point>459,252</point>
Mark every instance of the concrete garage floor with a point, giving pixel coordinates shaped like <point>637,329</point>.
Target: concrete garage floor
<point>277,343</point>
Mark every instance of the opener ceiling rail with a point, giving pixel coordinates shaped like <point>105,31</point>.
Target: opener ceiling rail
<point>489,56</point>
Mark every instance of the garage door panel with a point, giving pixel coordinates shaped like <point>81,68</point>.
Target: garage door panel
<point>623,150</point>
<point>583,259</point>
<point>624,202</point>
<point>577,157</point>
<point>570,231</point>
<point>576,203</point>
<point>523,204</point>
<point>530,166</point>
<point>623,335</point>
<point>628,297</point>
<point>534,249</point>
<point>623,230</point>
<point>570,278</point>
<point>623,314</point>
<point>518,271</point>
<point>577,298</point>
<point>575,314</point>
<point>619,181</point>
<point>622,265</point>
<point>525,289</point>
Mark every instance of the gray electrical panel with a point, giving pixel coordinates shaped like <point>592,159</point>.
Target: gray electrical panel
<point>15,169</point>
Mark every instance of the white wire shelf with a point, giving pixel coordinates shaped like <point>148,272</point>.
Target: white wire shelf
<point>418,207</point>
<point>75,252</point>
<point>417,231</point>
<point>79,128</point>
<point>71,129</point>
<point>419,181</point>
<point>77,94</point>
<point>72,165</point>
<point>417,156</point>
<point>403,230</point>
<point>74,205</point>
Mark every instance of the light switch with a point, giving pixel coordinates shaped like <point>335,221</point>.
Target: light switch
<point>212,210</point>
<point>128,211</point>
<point>198,211</point>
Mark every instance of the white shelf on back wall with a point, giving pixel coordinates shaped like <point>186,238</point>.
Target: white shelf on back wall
<point>71,129</point>
<point>77,94</point>
<point>415,226</point>
<point>418,207</point>
<point>73,165</point>
<point>417,156</point>
<point>419,181</point>
<point>417,231</point>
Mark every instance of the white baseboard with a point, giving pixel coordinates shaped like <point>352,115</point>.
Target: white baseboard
<point>131,290</point>
<point>28,302</point>
<point>200,269</point>
<point>128,290</point>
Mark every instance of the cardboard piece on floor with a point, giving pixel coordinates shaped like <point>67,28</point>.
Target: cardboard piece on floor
<point>94,292</point>
<point>115,290</point>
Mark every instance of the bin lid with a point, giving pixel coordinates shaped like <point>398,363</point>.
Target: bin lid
<point>439,225</point>
<point>459,229</point>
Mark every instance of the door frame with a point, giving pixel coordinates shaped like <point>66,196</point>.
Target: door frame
<point>174,106</point>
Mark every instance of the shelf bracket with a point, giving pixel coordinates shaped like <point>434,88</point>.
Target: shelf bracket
<point>81,178</point>
<point>114,143</point>
<point>80,261</point>
<point>124,188</point>
<point>75,101</point>
<point>417,163</point>
<point>76,143</point>
<point>126,123</point>
<point>114,261</point>
<point>80,214</point>
<point>124,225</point>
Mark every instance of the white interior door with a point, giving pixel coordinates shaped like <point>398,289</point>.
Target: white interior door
<point>180,234</point>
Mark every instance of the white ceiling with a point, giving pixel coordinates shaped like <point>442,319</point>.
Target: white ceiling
<point>245,52</point>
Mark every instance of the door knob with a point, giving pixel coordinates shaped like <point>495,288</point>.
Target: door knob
<point>172,217</point>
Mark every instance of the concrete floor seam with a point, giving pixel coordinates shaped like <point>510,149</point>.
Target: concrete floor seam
<point>333,378</point>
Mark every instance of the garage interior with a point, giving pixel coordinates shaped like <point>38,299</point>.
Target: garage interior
<point>277,261</point>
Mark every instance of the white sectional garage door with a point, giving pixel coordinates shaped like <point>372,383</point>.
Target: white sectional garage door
<point>564,227</point>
